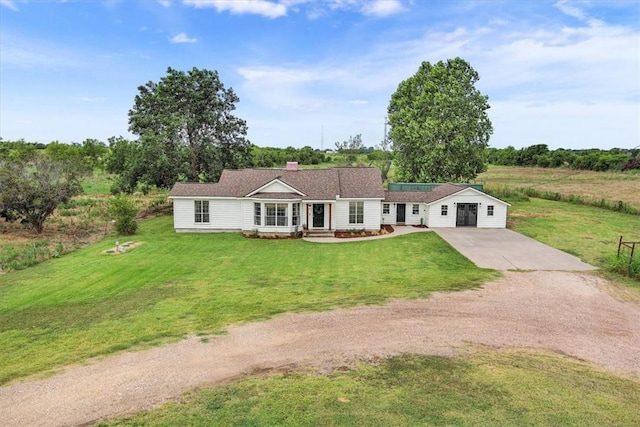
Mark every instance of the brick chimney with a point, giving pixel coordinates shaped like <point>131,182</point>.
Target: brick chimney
<point>292,166</point>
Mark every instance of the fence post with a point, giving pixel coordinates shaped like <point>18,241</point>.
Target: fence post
<point>619,245</point>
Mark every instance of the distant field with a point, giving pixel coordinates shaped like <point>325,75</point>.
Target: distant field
<point>611,186</point>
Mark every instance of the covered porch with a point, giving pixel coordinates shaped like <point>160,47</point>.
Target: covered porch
<point>319,216</point>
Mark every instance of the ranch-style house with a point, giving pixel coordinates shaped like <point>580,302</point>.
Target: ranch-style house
<point>284,201</point>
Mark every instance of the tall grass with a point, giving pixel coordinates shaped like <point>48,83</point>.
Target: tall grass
<point>523,193</point>
<point>624,264</point>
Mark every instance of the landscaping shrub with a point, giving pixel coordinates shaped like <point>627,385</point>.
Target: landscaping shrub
<point>124,213</point>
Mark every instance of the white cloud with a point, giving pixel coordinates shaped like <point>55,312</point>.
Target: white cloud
<point>9,5</point>
<point>566,8</point>
<point>89,98</point>
<point>265,8</point>
<point>288,86</point>
<point>164,3</point>
<point>21,52</point>
<point>183,38</point>
<point>383,8</point>
<point>569,84</point>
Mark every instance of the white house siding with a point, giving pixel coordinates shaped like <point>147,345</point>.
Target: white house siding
<point>410,218</point>
<point>276,187</point>
<point>247,215</point>
<point>435,218</point>
<point>372,210</point>
<point>224,215</point>
<point>389,218</point>
<point>498,220</point>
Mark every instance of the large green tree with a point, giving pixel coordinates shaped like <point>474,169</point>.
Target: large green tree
<point>187,128</point>
<point>31,189</point>
<point>439,124</point>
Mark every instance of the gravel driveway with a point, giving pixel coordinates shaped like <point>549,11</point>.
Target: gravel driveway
<point>564,312</point>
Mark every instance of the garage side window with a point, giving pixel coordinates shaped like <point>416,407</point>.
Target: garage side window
<point>490,210</point>
<point>385,209</point>
<point>415,210</point>
<point>444,210</point>
<point>201,208</point>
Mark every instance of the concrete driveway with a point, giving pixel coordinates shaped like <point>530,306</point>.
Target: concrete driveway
<point>503,249</point>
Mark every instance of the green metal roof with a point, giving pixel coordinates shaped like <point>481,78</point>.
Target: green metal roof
<point>424,186</point>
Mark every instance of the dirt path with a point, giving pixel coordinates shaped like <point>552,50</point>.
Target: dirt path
<point>559,311</point>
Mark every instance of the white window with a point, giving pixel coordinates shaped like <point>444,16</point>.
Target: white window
<point>385,209</point>
<point>490,210</point>
<point>281,214</point>
<point>444,210</point>
<point>415,210</point>
<point>201,208</point>
<point>295,214</point>
<point>275,214</point>
<point>257,214</point>
<point>356,212</point>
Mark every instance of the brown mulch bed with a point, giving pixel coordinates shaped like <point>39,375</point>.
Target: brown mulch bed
<point>384,229</point>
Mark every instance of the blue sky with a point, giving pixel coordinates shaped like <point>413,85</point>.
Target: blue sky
<point>313,72</point>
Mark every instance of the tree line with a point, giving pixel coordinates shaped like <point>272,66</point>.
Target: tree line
<point>539,155</point>
<point>186,130</point>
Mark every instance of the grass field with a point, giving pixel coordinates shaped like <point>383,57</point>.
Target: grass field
<point>611,186</point>
<point>512,388</point>
<point>87,304</point>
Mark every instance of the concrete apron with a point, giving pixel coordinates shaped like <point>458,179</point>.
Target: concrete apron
<point>503,249</point>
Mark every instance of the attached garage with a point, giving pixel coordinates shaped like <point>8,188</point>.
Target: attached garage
<point>443,206</point>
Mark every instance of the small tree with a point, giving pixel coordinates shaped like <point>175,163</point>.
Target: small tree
<point>124,213</point>
<point>30,190</point>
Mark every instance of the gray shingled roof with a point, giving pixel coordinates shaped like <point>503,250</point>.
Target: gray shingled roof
<point>406,196</point>
<point>316,184</point>
<point>437,193</point>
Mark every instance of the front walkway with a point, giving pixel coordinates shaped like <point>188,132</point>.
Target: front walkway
<point>398,230</point>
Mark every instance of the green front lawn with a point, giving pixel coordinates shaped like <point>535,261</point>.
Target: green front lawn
<point>87,304</point>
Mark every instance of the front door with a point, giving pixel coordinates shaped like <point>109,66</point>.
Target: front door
<point>318,215</point>
<point>400,213</point>
<point>467,215</point>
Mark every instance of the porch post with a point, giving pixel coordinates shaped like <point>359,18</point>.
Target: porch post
<point>329,216</point>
